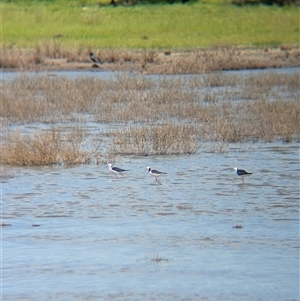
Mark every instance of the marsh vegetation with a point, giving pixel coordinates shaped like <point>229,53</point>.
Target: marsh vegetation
<point>55,56</point>
<point>89,120</point>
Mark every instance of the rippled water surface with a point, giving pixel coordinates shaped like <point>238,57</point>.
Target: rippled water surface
<point>197,234</point>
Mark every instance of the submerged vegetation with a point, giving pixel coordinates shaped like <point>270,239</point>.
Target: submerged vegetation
<point>90,120</point>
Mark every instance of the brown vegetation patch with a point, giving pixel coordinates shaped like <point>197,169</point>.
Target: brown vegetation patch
<point>134,114</point>
<point>20,59</point>
<point>254,121</point>
<point>169,139</point>
<point>56,57</point>
<point>53,147</point>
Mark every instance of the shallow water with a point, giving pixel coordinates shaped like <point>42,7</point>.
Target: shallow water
<point>81,234</point>
<point>102,74</point>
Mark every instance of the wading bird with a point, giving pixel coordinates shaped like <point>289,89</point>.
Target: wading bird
<point>116,170</point>
<point>155,173</point>
<point>242,173</point>
<point>95,59</point>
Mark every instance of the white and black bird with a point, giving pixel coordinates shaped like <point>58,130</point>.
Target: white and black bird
<point>155,173</point>
<point>95,59</point>
<point>242,173</point>
<point>116,170</point>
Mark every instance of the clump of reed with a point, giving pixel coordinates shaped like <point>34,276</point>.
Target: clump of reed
<point>254,121</point>
<point>46,99</point>
<point>276,120</point>
<point>50,148</point>
<point>168,139</point>
<point>156,258</point>
<point>20,58</point>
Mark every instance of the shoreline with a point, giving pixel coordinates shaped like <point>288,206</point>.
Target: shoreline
<point>154,62</point>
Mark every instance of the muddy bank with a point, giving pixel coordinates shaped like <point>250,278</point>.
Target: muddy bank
<point>151,61</point>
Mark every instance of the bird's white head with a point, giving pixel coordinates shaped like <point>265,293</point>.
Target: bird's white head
<point>148,168</point>
<point>110,165</point>
<point>235,169</point>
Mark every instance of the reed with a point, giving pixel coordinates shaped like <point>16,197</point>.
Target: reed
<point>53,55</point>
<point>21,58</point>
<point>137,115</point>
<point>168,139</point>
<point>156,258</point>
<point>53,147</point>
<point>255,121</point>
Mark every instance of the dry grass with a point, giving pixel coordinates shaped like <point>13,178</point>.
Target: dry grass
<point>255,121</point>
<point>54,55</point>
<point>20,58</point>
<point>169,139</point>
<point>276,119</point>
<point>144,116</point>
<point>46,99</point>
<point>53,147</point>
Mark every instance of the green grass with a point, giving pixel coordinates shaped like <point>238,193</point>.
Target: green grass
<point>27,24</point>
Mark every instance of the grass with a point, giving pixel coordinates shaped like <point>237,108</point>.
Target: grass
<point>200,24</point>
<point>54,56</point>
<point>54,147</point>
<point>167,139</point>
<point>137,115</point>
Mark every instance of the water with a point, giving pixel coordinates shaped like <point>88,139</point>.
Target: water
<point>101,74</point>
<point>11,75</point>
<point>197,234</point>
